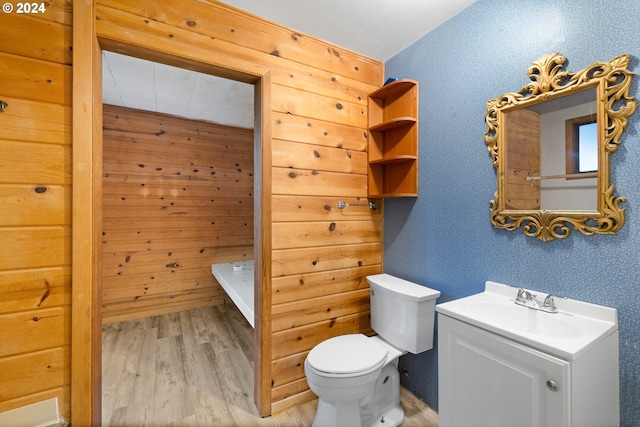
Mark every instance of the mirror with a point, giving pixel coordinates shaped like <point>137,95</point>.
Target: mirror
<point>551,154</point>
<point>550,145</point>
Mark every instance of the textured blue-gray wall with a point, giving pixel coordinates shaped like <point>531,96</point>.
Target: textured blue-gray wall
<point>443,239</point>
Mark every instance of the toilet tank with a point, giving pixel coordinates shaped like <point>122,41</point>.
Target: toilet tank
<point>403,312</point>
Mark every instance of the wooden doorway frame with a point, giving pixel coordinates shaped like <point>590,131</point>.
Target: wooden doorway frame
<point>86,364</point>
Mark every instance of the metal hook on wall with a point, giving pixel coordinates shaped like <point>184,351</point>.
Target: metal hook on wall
<point>3,105</point>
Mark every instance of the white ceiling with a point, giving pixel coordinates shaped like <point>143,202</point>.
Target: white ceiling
<point>375,28</point>
<point>144,85</point>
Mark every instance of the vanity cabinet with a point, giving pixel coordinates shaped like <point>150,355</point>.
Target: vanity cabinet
<point>393,140</point>
<point>488,380</point>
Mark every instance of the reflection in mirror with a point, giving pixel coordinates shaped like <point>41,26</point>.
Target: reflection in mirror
<point>550,145</point>
<point>552,154</point>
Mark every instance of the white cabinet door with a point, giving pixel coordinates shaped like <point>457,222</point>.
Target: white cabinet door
<point>487,380</point>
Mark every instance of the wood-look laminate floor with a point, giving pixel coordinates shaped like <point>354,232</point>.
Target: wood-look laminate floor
<point>195,368</point>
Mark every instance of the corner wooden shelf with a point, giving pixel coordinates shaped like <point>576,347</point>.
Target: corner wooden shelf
<point>393,159</point>
<point>393,123</point>
<point>393,140</point>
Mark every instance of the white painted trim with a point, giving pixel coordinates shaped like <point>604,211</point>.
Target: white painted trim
<point>41,414</point>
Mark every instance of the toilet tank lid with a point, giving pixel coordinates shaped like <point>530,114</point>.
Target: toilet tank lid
<point>403,287</point>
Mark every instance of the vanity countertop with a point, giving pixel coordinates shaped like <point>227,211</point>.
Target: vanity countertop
<point>569,333</point>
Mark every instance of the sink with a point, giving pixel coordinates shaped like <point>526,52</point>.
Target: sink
<point>524,319</point>
<point>567,334</point>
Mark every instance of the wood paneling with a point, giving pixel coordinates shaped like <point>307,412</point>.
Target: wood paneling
<point>304,338</point>
<point>35,247</point>
<point>312,182</point>
<point>34,372</point>
<point>328,258</point>
<point>45,81</point>
<point>310,285</point>
<point>35,207</point>
<point>86,317</point>
<point>522,130</point>
<point>298,313</point>
<point>47,330</point>
<point>177,197</point>
<point>261,39</point>
<point>317,157</point>
<point>314,234</point>
<point>22,205</point>
<point>33,289</point>
<point>288,208</point>
<point>34,162</point>
<point>315,113</point>
<point>31,37</point>
<point>318,132</point>
<point>318,106</point>
<point>34,121</point>
<point>314,105</point>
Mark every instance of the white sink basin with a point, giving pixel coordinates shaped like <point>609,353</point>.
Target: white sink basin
<point>524,319</point>
<point>566,334</point>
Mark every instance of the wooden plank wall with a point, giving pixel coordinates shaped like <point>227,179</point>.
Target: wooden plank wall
<point>35,207</point>
<point>318,135</point>
<point>522,130</point>
<point>178,197</point>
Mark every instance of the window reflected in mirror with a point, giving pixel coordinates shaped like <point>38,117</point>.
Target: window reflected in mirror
<point>582,146</point>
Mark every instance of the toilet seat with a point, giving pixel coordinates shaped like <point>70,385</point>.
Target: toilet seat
<point>347,355</point>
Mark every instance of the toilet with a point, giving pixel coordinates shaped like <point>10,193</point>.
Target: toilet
<point>356,377</point>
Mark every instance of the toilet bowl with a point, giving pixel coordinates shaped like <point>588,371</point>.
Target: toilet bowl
<point>356,377</point>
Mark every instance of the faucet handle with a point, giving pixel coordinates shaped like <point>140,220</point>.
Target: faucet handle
<point>549,304</point>
<point>523,295</point>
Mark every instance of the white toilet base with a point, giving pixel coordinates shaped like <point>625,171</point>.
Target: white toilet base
<point>348,415</point>
<point>392,418</point>
<point>337,414</point>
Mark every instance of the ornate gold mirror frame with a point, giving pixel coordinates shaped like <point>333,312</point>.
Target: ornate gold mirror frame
<point>611,82</point>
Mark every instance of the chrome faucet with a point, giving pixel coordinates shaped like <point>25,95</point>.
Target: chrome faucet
<point>527,299</point>
<point>523,295</point>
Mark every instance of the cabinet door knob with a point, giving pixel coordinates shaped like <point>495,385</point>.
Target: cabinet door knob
<point>551,385</point>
